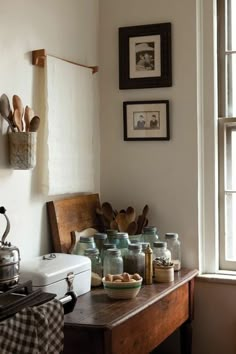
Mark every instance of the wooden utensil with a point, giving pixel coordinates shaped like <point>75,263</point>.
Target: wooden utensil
<point>34,124</point>
<point>5,110</point>
<point>28,115</point>
<point>142,219</point>
<point>17,119</point>
<point>17,104</point>
<point>107,211</point>
<point>122,222</point>
<point>130,214</point>
<point>132,228</point>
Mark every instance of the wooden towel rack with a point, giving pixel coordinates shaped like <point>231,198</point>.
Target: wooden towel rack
<point>39,56</point>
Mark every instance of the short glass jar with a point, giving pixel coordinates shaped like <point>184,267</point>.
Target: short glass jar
<point>150,235</point>
<point>134,260</point>
<point>160,251</point>
<point>96,265</point>
<point>84,243</point>
<point>173,244</point>
<point>113,262</point>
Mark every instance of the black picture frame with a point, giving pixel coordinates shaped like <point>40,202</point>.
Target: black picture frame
<point>146,120</point>
<point>145,56</point>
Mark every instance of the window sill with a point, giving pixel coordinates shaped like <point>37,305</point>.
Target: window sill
<point>218,278</point>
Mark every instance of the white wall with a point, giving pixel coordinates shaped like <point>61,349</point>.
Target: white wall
<point>162,174</point>
<point>68,29</point>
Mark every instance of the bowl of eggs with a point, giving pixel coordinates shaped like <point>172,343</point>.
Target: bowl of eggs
<point>122,286</point>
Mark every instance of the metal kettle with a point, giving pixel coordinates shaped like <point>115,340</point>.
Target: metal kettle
<point>9,259</point>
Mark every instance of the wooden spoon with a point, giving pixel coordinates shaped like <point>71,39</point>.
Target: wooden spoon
<point>28,115</point>
<point>122,222</point>
<point>142,219</point>
<point>5,110</point>
<point>107,211</point>
<point>17,119</point>
<point>34,124</point>
<point>130,214</point>
<point>17,104</point>
<point>132,228</point>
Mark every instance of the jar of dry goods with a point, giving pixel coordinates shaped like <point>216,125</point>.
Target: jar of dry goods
<point>96,265</point>
<point>134,260</point>
<point>160,251</point>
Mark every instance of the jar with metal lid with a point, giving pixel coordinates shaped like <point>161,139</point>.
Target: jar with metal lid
<point>106,247</point>
<point>84,243</point>
<point>100,239</point>
<point>144,245</point>
<point>134,260</point>
<point>122,242</point>
<point>110,234</point>
<point>173,244</point>
<point>160,251</point>
<point>96,265</point>
<point>113,262</point>
<point>150,235</point>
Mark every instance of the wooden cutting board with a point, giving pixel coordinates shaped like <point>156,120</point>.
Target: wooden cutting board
<point>72,214</point>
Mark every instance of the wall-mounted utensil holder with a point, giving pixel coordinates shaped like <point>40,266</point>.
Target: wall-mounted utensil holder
<point>22,150</point>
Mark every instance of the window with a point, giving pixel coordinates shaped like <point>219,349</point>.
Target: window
<point>227,133</point>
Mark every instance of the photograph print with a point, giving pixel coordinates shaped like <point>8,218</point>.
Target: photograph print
<point>145,56</point>
<point>146,120</point>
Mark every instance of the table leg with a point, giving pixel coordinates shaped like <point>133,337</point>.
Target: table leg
<point>186,337</point>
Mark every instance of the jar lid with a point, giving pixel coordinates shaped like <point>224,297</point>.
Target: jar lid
<point>111,232</point>
<point>135,246</point>
<point>144,245</point>
<point>107,246</point>
<point>159,244</point>
<point>171,236</point>
<point>91,251</point>
<point>86,239</point>
<point>121,235</point>
<point>100,236</point>
<point>149,229</point>
<point>114,252</point>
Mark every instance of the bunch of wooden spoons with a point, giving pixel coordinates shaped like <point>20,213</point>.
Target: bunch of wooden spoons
<point>125,220</point>
<point>19,118</point>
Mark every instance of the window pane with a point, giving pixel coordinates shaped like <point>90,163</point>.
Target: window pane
<point>230,232</point>
<point>231,84</point>
<point>230,158</point>
<point>231,40</point>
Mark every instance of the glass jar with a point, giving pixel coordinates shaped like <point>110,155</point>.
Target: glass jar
<point>106,247</point>
<point>150,235</point>
<point>134,260</point>
<point>110,234</point>
<point>144,245</point>
<point>160,251</point>
<point>84,243</point>
<point>122,242</point>
<point>113,262</point>
<point>100,239</point>
<point>173,244</point>
<point>96,265</point>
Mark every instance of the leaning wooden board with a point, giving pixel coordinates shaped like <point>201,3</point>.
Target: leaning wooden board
<point>72,214</point>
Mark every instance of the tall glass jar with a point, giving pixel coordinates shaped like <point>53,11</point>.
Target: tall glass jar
<point>96,265</point>
<point>100,239</point>
<point>113,262</point>
<point>150,235</point>
<point>122,242</point>
<point>160,251</point>
<point>84,243</point>
<point>110,234</point>
<point>173,244</point>
<point>106,247</point>
<point>134,260</point>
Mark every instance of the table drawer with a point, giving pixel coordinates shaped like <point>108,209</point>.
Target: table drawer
<point>160,318</point>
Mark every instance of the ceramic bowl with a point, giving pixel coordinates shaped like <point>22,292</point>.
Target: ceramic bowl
<point>122,290</point>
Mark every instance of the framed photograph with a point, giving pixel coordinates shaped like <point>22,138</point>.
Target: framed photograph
<point>145,56</point>
<point>146,120</point>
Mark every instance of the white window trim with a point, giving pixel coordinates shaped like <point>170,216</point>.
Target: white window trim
<point>207,136</point>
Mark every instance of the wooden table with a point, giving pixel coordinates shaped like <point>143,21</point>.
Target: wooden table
<point>99,325</point>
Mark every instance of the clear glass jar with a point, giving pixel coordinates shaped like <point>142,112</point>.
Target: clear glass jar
<point>106,247</point>
<point>144,245</point>
<point>173,244</point>
<point>96,265</point>
<point>84,243</point>
<point>160,251</point>
<point>110,234</point>
<point>122,242</point>
<point>150,235</point>
<point>100,239</point>
<point>113,262</point>
<point>134,260</point>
